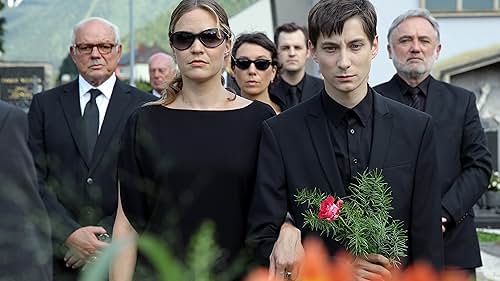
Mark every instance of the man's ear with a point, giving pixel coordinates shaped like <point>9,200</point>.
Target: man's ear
<point>375,47</point>
<point>119,49</point>
<point>308,46</point>
<point>72,53</point>
<point>438,50</point>
<point>312,51</point>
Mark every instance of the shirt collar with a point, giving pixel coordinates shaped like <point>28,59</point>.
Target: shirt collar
<point>106,88</point>
<point>156,93</point>
<point>299,86</point>
<point>336,112</point>
<point>423,86</point>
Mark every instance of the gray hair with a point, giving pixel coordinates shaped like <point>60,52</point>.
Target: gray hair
<point>168,57</point>
<point>113,27</point>
<point>420,13</point>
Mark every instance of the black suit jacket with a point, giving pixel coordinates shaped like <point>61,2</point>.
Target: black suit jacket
<point>464,163</point>
<point>78,192</point>
<point>296,152</point>
<point>25,230</point>
<point>279,91</point>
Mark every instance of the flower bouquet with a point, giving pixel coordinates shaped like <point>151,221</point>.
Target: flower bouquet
<point>361,221</point>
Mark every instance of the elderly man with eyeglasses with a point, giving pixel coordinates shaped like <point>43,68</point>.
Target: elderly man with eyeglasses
<point>74,134</point>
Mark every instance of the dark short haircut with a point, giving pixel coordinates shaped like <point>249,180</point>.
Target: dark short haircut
<point>289,28</point>
<point>257,38</point>
<point>328,17</point>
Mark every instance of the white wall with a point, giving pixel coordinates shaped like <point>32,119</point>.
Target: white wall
<point>257,17</point>
<point>382,68</point>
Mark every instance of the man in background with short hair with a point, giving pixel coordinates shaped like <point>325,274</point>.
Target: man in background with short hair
<point>161,72</point>
<point>294,84</point>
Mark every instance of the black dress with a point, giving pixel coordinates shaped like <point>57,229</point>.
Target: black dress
<point>179,168</point>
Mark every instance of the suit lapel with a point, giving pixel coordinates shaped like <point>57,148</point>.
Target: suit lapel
<point>394,90</point>
<point>70,102</point>
<point>120,98</point>
<point>320,137</point>
<point>278,93</point>
<point>382,130</point>
<point>435,102</point>
<point>309,89</point>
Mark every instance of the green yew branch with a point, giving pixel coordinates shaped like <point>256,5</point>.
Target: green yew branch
<point>364,225</point>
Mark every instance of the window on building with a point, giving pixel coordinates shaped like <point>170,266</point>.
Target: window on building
<point>462,6</point>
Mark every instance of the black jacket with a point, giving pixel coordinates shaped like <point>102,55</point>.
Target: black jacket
<point>296,152</point>
<point>464,163</point>
<point>78,192</point>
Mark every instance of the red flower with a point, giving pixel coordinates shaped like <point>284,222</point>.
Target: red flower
<point>329,209</point>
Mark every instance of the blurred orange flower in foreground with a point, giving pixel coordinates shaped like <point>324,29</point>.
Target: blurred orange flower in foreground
<point>318,266</point>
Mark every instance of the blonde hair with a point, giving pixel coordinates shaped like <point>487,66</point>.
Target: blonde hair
<point>170,93</point>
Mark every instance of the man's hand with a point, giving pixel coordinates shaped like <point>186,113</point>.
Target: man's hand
<point>372,267</point>
<point>287,254</point>
<point>443,224</point>
<point>82,244</point>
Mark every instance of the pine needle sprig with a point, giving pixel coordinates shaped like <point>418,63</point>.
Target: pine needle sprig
<point>311,197</point>
<point>362,224</point>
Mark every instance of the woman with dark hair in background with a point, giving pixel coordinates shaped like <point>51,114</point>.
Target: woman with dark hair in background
<point>254,63</point>
<point>191,156</point>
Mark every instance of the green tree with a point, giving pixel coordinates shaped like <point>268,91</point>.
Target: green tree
<point>67,67</point>
<point>2,30</point>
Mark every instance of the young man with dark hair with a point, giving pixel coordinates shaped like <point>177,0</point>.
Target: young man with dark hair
<point>294,84</point>
<point>339,133</point>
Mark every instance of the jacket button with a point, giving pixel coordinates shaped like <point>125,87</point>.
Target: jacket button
<point>90,181</point>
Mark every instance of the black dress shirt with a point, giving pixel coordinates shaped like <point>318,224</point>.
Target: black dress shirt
<point>351,134</point>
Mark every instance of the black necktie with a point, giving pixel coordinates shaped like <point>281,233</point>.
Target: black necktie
<point>91,121</point>
<point>416,98</point>
<point>293,98</point>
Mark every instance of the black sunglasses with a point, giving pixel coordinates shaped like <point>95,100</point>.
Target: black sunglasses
<point>210,38</point>
<point>244,63</point>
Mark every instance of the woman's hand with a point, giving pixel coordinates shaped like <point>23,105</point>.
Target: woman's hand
<point>284,261</point>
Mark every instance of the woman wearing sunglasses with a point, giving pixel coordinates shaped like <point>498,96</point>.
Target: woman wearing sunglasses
<point>190,157</point>
<point>254,62</point>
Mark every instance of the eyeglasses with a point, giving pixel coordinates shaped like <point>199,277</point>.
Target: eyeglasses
<point>103,48</point>
<point>210,38</point>
<point>244,63</point>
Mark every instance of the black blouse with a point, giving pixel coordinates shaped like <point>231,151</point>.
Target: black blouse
<point>179,168</point>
